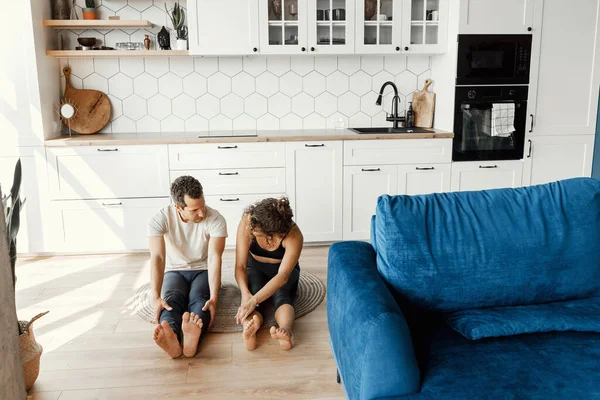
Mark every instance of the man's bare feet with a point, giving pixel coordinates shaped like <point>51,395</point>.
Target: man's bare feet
<point>250,327</point>
<point>191,326</point>
<point>284,336</point>
<point>166,339</point>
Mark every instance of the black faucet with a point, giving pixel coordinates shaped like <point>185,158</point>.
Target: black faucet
<point>393,117</point>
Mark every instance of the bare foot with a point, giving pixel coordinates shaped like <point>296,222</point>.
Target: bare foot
<point>166,339</point>
<point>250,328</point>
<point>192,329</point>
<point>284,336</point>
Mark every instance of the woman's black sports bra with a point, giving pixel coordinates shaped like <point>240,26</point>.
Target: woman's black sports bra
<point>276,254</point>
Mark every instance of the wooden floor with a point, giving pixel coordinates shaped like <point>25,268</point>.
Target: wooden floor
<point>96,347</point>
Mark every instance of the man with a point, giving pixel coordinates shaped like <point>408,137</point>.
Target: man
<point>192,236</point>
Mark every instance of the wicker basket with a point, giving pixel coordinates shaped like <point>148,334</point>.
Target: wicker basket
<point>31,351</point>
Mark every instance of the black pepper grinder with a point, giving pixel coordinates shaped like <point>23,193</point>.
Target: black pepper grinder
<point>410,116</point>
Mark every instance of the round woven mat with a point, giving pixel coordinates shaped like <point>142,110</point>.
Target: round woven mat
<point>311,293</point>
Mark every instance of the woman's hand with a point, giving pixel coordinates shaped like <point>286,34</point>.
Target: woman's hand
<point>247,307</point>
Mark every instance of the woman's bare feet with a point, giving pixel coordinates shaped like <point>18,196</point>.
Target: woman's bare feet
<point>284,336</point>
<point>166,339</point>
<point>250,327</point>
<point>191,326</point>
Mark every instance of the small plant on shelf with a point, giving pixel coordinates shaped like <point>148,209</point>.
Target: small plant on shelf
<point>89,12</point>
<point>177,16</point>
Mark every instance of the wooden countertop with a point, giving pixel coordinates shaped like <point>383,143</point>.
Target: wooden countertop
<point>108,139</point>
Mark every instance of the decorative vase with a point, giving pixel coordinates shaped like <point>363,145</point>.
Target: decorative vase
<point>164,39</point>
<point>181,44</point>
<point>370,9</point>
<point>61,9</point>
<point>31,351</point>
<point>89,13</point>
<point>147,42</point>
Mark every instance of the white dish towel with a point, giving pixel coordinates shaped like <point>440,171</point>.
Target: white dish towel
<point>503,119</point>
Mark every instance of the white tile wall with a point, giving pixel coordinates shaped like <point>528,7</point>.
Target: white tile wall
<point>223,93</point>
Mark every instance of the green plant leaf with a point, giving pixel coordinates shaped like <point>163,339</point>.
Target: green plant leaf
<point>16,187</point>
<point>15,222</point>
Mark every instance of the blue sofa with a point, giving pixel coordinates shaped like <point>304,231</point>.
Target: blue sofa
<point>473,295</point>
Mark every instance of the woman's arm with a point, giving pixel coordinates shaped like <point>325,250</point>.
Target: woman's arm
<point>293,247</point>
<point>242,247</point>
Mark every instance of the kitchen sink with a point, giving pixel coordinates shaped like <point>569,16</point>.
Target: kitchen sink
<point>390,130</point>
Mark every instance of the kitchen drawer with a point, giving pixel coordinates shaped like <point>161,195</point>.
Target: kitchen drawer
<point>238,181</point>
<point>484,175</point>
<point>398,151</point>
<point>108,172</point>
<point>232,208</point>
<point>105,225</point>
<point>226,155</point>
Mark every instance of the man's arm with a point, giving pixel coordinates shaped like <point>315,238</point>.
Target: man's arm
<point>216,246</point>
<point>157,273</point>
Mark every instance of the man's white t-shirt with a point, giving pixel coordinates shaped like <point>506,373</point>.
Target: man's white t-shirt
<point>187,242</point>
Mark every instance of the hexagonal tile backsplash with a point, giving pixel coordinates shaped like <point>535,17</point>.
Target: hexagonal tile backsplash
<point>247,93</point>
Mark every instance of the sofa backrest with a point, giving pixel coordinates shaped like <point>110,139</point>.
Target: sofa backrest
<point>455,251</point>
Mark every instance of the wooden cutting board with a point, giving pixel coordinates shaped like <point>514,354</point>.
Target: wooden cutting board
<point>424,106</point>
<point>92,107</point>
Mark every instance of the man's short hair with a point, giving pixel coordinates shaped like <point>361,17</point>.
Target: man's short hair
<point>185,185</point>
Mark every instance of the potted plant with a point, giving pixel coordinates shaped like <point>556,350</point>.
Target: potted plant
<point>89,12</point>
<point>177,15</point>
<point>31,351</point>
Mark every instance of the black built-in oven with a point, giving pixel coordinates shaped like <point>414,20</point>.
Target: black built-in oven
<point>493,59</point>
<point>489,123</point>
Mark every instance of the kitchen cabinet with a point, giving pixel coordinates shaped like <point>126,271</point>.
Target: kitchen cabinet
<point>565,45</point>
<point>331,26</point>
<point>238,181</point>
<point>283,26</point>
<point>226,155</point>
<point>224,27</point>
<point>497,17</point>
<point>378,32</point>
<point>552,158</point>
<point>314,185</point>
<point>483,175</point>
<point>423,179</point>
<point>390,151</point>
<point>425,26</point>
<point>362,186</point>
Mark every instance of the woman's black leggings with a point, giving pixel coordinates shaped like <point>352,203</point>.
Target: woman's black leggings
<point>260,273</point>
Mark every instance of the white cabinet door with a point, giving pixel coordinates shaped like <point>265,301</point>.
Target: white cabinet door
<point>238,181</point>
<point>226,155</point>
<point>496,17</point>
<point>331,26</point>
<point>232,208</point>
<point>566,44</point>
<point>482,175</point>
<point>362,187</point>
<point>224,27</point>
<point>397,151</point>
<point>423,178</point>
<point>108,172</point>
<point>425,26</point>
<point>314,184</point>
<point>553,158</point>
<point>283,27</point>
<point>378,33</point>
<point>105,225</point>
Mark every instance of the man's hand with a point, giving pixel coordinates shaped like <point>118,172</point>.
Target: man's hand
<point>211,306</point>
<point>159,304</point>
<point>245,310</point>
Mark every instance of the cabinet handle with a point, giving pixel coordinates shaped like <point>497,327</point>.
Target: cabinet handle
<point>312,49</point>
<point>315,145</point>
<point>303,49</point>
<point>488,166</point>
<point>397,48</point>
<point>107,149</point>
<point>112,204</point>
<point>531,127</point>
<point>228,173</point>
<point>236,199</point>
<point>371,169</point>
<point>406,48</point>
<point>425,168</point>
<point>226,147</point>
<point>255,49</point>
<point>529,152</point>
<point>529,29</point>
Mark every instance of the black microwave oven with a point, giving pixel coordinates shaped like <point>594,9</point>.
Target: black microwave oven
<point>493,59</point>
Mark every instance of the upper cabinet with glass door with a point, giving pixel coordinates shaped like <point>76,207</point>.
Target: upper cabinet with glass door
<point>379,26</point>
<point>425,26</point>
<point>331,26</point>
<point>283,26</point>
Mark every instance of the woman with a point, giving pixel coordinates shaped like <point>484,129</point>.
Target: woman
<point>266,267</point>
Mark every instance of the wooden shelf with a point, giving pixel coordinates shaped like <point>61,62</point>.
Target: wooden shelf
<point>96,23</point>
<point>115,53</point>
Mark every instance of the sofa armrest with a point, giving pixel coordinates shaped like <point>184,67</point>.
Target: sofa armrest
<point>369,336</point>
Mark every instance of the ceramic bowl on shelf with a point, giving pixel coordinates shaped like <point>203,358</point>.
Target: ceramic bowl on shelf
<point>87,41</point>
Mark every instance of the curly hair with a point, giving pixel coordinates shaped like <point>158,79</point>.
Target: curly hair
<point>185,185</point>
<point>271,216</point>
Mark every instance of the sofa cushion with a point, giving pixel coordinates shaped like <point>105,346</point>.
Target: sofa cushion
<point>574,315</point>
<point>456,251</point>
<point>554,365</point>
